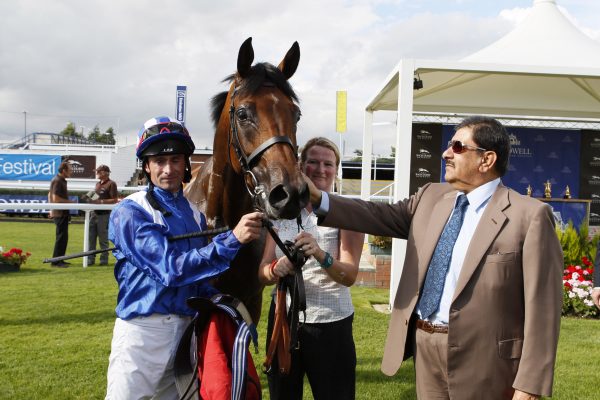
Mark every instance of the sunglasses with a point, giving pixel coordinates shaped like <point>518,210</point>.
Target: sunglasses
<point>459,147</point>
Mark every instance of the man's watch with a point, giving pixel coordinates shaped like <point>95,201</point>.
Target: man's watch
<point>327,261</point>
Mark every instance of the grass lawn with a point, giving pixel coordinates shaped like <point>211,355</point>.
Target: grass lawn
<point>56,326</point>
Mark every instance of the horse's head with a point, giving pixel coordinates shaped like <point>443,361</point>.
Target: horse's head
<point>258,117</point>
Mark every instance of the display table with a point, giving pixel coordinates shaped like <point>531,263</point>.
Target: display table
<point>565,210</point>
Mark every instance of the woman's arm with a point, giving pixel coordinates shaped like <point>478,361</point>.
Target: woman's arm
<point>265,275</point>
<point>271,268</point>
<point>345,269</point>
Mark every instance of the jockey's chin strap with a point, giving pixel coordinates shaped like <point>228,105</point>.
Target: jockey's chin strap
<point>284,337</point>
<point>248,162</point>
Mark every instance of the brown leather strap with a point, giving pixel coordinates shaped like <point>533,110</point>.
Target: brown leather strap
<point>280,337</point>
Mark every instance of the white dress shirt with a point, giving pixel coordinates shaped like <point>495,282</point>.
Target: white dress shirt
<point>478,200</point>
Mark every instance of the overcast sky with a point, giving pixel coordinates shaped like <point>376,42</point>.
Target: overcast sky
<point>117,63</point>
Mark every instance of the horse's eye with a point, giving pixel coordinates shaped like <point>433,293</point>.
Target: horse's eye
<point>298,116</point>
<point>242,114</point>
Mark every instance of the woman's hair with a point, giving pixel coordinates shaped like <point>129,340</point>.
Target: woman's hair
<point>323,142</point>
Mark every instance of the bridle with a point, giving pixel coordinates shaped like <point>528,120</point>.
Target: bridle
<point>247,162</point>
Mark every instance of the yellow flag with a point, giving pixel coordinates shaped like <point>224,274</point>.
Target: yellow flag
<point>340,116</point>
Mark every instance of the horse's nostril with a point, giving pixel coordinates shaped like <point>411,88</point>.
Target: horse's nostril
<point>278,196</point>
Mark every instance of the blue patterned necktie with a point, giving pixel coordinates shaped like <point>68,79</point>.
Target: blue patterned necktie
<point>436,274</point>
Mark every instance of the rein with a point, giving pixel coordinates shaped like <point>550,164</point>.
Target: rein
<point>284,337</point>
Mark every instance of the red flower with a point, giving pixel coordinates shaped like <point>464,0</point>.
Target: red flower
<point>568,285</point>
<point>586,261</point>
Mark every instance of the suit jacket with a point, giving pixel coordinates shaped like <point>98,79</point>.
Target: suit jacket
<point>505,314</point>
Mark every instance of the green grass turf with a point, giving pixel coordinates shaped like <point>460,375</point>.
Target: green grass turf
<point>56,326</point>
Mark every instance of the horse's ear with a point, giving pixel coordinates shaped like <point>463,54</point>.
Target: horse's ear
<point>290,62</point>
<point>245,58</point>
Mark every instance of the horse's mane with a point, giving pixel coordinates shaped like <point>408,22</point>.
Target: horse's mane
<point>258,75</point>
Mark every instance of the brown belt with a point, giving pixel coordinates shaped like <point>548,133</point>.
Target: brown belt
<point>431,328</point>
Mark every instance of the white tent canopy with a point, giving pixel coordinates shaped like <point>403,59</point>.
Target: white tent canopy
<point>544,68</point>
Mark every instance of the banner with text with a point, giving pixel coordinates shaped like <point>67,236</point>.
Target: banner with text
<point>590,172</point>
<point>425,155</point>
<point>539,155</point>
<point>28,167</point>
<point>180,103</point>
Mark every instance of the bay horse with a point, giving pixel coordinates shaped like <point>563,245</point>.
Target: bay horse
<point>254,163</point>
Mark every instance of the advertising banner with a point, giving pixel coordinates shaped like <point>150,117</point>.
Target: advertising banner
<point>28,167</point>
<point>425,155</point>
<point>180,103</point>
<point>341,102</point>
<point>28,199</point>
<point>82,166</point>
<point>590,172</point>
<point>539,155</point>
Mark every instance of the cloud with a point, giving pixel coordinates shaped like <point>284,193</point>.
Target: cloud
<point>94,63</point>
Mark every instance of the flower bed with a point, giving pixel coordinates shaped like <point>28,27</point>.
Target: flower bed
<point>577,283</point>
<point>12,259</point>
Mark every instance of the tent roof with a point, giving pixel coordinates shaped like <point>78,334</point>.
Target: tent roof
<point>545,67</point>
<point>545,37</point>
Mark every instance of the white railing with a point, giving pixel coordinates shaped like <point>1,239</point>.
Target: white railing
<point>74,185</point>
<point>63,206</point>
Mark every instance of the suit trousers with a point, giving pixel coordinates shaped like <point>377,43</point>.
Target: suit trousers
<point>62,235</point>
<point>98,231</point>
<point>431,365</point>
<point>326,355</point>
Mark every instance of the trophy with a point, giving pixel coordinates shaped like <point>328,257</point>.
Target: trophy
<point>529,190</point>
<point>547,189</point>
<point>567,193</point>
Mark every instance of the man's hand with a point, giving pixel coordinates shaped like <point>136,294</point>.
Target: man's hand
<point>249,227</point>
<point>524,396</point>
<point>315,194</point>
<point>596,297</point>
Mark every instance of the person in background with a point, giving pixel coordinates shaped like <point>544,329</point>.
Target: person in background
<point>479,299</point>
<point>596,279</point>
<point>155,275</point>
<point>58,194</point>
<point>326,352</point>
<point>105,192</point>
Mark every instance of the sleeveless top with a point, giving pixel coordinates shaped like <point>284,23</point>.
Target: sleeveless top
<point>326,300</point>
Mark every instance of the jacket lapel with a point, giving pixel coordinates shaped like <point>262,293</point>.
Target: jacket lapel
<point>490,224</point>
<point>439,217</point>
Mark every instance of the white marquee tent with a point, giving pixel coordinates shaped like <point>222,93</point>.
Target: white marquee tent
<point>544,68</point>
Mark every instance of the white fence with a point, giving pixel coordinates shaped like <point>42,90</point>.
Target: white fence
<point>87,208</point>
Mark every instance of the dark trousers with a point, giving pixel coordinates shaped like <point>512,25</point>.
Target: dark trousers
<point>99,231</point>
<point>62,235</point>
<point>326,355</point>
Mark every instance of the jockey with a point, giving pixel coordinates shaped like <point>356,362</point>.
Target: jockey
<point>155,276</point>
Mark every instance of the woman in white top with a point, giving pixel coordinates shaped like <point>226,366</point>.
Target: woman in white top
<point>326,353</point>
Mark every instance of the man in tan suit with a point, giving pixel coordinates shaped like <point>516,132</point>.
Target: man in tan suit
<point>486,326</point>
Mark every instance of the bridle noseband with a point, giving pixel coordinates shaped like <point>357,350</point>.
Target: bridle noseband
<point>248,162</point>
